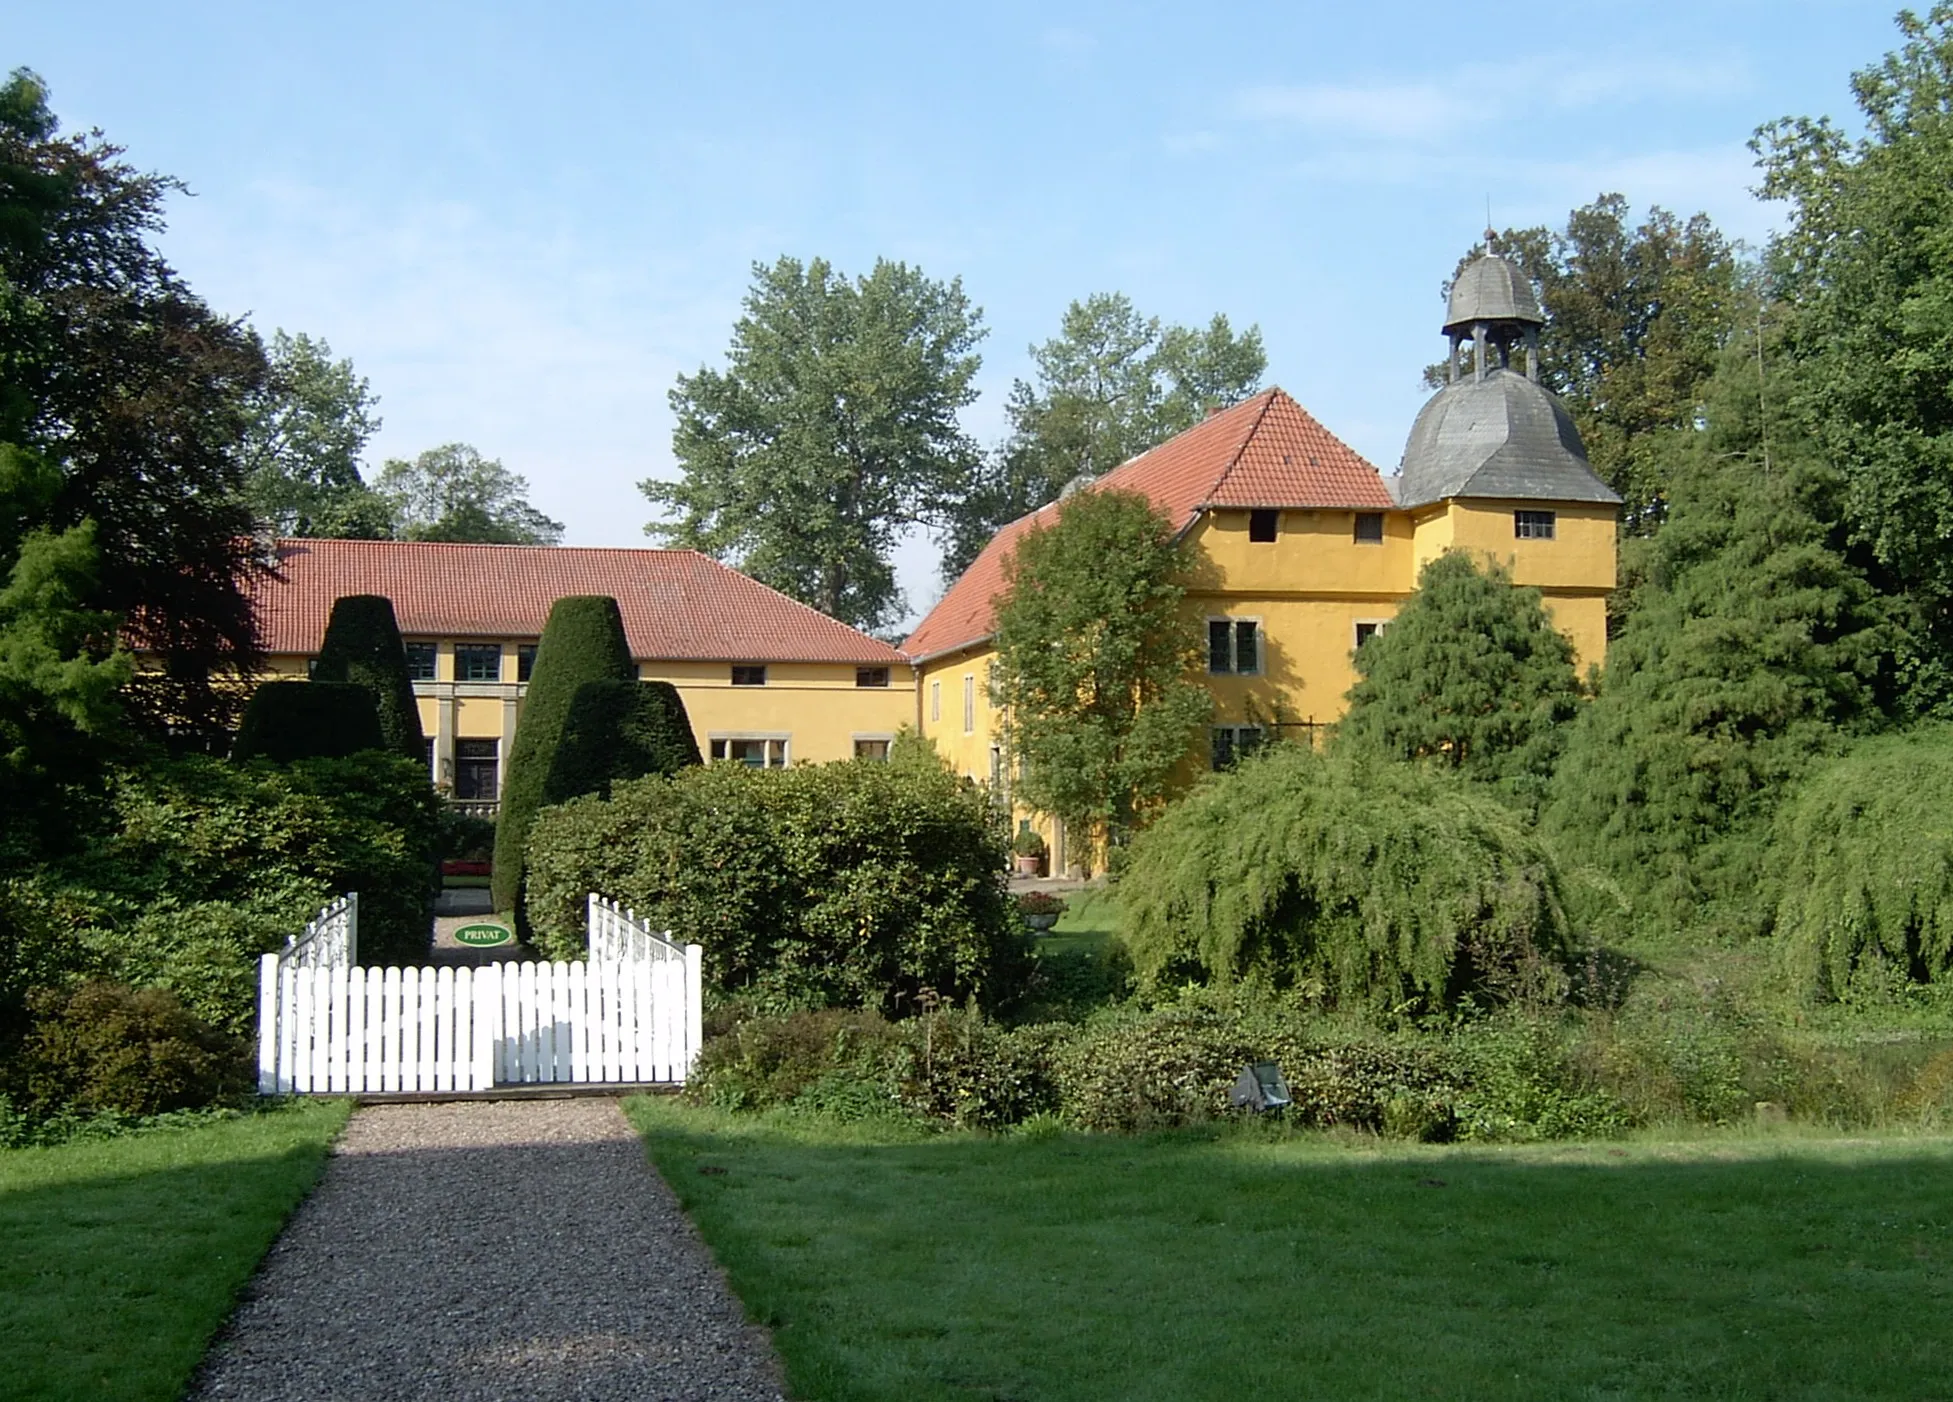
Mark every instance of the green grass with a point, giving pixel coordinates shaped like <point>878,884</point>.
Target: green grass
<point>123,1256</point>
<point>1241,1265</point>
<point>1089,921</point>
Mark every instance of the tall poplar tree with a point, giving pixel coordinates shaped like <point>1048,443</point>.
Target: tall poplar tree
<point>831,431</point>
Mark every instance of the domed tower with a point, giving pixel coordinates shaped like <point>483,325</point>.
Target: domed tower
<point>1495,464</point>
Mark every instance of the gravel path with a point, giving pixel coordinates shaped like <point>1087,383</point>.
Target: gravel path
<point>490,1250</point>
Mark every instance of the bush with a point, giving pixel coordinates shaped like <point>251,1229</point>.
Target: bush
<point>582,641</point>
<point>108,1048</point>
<point>362,646</point>
<point>1864,852</point>
<point>205,864</point>
<point>1377,887</point>
<point>619,730</point>
<point>287,721</point>
<point>850,884</point>
<point>465,837</point>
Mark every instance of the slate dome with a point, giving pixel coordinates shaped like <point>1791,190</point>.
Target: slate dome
<point>1502,435</point>
<point>1491,290</point>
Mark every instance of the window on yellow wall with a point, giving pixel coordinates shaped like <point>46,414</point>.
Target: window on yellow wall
<point>420,662</point>
<point>935,700</point>
<point>1369,528</point>
<point>755,752</point>
<point>1533,525</point>
<point>1262,525</point>
<point>969,703</point>
<point>1233,647</point>
<point>478,662</point>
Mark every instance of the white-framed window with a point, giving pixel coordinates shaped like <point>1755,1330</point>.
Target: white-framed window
<point>1234,646</point>
<point>872,746</point>
<point>1368,628</point>
<point>935,700</point>
<point>477,769</point>
<point>969,703</point>
<point>1231,742</point>
<point>753,751</point>
<point>478,662</point>
<point>1533,525</point>
<point>420,662</point>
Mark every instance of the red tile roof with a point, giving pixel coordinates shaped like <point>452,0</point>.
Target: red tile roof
<point>1267,451</point>
<point>677,604</point>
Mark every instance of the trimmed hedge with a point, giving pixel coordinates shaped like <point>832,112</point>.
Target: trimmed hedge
<point>1375,887</point>
<point>854,884</point>
<point>583,641</point>
<point>618,730</point>
<point>362,646</point>
<point>288,721</point>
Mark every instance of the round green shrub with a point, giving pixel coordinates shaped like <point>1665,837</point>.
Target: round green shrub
<point>109,1048</point>
<point>616,730</point>
<point>1379,887</point>
<point>852,885</point>
<point>1864,855</point>
<point>362,646</point>
<point>287,721</point>
<point>583,641</point>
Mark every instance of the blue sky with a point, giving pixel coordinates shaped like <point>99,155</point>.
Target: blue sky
<point>521,222</point>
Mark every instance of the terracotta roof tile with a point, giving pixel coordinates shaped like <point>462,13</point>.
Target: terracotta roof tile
<point>678,605</point>
<point>1266,451</point>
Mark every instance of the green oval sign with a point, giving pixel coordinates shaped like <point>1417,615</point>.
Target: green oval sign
<point>481,936</point>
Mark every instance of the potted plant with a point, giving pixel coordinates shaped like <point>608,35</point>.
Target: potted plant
<point>1040,910</point>
<point>1028,849</point>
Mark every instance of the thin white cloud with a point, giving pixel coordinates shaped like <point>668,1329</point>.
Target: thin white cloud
<point>1432,111</point>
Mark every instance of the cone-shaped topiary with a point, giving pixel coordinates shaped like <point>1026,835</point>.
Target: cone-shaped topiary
<point>582,642</point>
<point>307,720</point>
<point>619,730</point>
<point>362,645</point>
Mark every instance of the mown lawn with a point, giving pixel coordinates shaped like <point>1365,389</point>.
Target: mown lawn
<point>123,1256</point>
<point>1237,1265</point>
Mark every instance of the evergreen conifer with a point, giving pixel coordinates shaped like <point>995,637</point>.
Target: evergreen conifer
<point>1753,646</point>
<point>288,721</point>
<point>362,645</point>
<point>1471,674</point>
<point>583,641</point>
<point>619,730</point>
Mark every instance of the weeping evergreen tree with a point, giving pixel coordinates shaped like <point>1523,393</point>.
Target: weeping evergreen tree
<point>1472,676</point>
<point>1864,858</point>
<point>1753,647</point>
<point>583,641</point>
<point>1372,886</point>
<point>362,646</point>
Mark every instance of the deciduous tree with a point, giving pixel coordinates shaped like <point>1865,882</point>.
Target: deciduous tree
<point>830,432</point>
<point>1108,386</point>
<point>1096,662</point>
<point>309,424</point>
<point>454,493</point>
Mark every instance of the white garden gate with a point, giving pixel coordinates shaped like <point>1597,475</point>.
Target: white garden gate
<point>628,1015</point>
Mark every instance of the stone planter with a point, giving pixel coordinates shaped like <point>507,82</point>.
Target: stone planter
<point>1041,923</point>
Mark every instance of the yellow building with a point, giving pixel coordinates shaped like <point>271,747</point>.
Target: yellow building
<point>1302,549</point>
<point>766,681</point>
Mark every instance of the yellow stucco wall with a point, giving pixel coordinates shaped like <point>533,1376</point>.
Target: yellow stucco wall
<point>815,707</point>
<point>1307,590</point>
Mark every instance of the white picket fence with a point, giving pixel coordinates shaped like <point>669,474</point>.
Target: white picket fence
<point>628,1015</point>
<point>331,938</point>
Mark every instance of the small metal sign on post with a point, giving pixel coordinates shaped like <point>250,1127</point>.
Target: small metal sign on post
<point>484,935</point>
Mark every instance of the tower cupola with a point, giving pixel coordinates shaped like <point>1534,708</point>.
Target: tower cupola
<point>1492,305</point>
